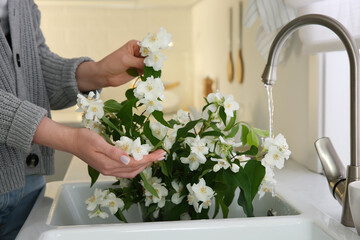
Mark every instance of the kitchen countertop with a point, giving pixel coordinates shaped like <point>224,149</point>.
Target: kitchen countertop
<point>294,182</point>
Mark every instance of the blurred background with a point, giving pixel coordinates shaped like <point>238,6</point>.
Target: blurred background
<point>204,32</point>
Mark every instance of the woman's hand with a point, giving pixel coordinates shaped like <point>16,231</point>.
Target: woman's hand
<point>107,159</point>
<point>111,70</point>
<point>92,149</point>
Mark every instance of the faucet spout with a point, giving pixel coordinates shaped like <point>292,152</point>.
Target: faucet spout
<point>332,165</point>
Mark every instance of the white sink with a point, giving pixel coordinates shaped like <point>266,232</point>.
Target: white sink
<point>297,228</point>
<point>308,212</point>
<point>69,207</point>
<point>69,217</point>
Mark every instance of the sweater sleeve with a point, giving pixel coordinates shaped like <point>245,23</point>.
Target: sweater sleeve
<point>18,121</point>
<point>58,72</point>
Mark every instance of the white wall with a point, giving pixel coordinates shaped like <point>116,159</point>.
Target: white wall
<point>201,47</point>
<point>90,28</point>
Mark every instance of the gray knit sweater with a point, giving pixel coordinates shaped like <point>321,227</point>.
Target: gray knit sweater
<point>32,80</point>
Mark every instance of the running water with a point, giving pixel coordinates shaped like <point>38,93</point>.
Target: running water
<point>271,108</point>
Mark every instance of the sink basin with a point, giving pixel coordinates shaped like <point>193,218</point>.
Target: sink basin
<point>297,228</point>
<point>69,207</point>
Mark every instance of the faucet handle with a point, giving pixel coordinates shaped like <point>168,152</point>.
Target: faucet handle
<point>333,168</point>
<point>332,165</point>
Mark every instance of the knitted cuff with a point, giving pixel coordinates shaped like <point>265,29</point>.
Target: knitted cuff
<point>27,118</point>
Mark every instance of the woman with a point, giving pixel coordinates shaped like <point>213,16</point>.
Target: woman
<point>34,80</point>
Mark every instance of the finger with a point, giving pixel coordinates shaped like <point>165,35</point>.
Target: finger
<point>116,154</point>
<point>131,174</point>
<point>135,62</point>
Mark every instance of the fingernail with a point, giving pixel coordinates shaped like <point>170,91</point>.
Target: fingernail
<point>125,159</point>
<point>162,158</point>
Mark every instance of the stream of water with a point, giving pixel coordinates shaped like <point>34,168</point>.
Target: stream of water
<point>271,108</point>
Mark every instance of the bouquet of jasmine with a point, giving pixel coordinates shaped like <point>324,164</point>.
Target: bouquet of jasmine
<point>209,156</point>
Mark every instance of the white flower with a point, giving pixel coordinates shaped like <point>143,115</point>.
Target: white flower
<point>156,41</point>
<point>230,105</point>
<point>158,130</point>
<point>229,142</point>
<point>185,216</point>
<point>96,199</point>
<point>82,103</point>
<point>125,144</point>
<point>151,88</point>
<point>160,190</point>
<point>274,158</point>
<point>182,116</point>
<point>194,160</point>
<point>124,182</point>
<point>268,183</point>
<point>151,104</point>
<point>176,197</point>
<point>162,193</point>
<point>191,198</point>
<point>144,51</point>
<point>235,168</point>
<point>221,163</point>
<point>98,213</point>
<point>243,158</point>
<point>280,142</point>
<point>170,140</point>
<point>95,110</point>
<point>198,145</point>
<point>93,125</point>
<point>200,192</point>
<point>156,213</point>
<point>155,60</point>
<point>147,172</point>
<point>138,150</point>
<point>210,142</point>
<point>216,99</point>
<point>113,203</point>
<point>92,106</point>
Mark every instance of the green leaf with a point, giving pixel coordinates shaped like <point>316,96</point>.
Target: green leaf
<point>247,208</point>
<point>244,133</point>
<point>148,133</point>
<point>130,94</point>
<point>149,71</point>
<point>112,106</point>
<point>132,72</point>
<point>213,126</point>
<point>94,175</point>
<point>217,208</point>
<point>148,186</point>
<point>183,131</point>
<point>159,116</point>
<point>261,132</point>
<point>241,180</point>
<point>222,114</point>
<point>111,125</point>
<point>229,195</point>
<point>119,215</point>
<point>212,133</point>
<point>208,104</point>
<point>125,114</point>
<point>163,168</point>
<point>252,151</point>
<point>204,172</point>
<point>224,208</point>
<point>252,138</point>
<point>231,122</point>
<point>255,172</point>
<point>233,131</point>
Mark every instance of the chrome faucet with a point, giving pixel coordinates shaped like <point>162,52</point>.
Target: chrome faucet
<point>332,166</point>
